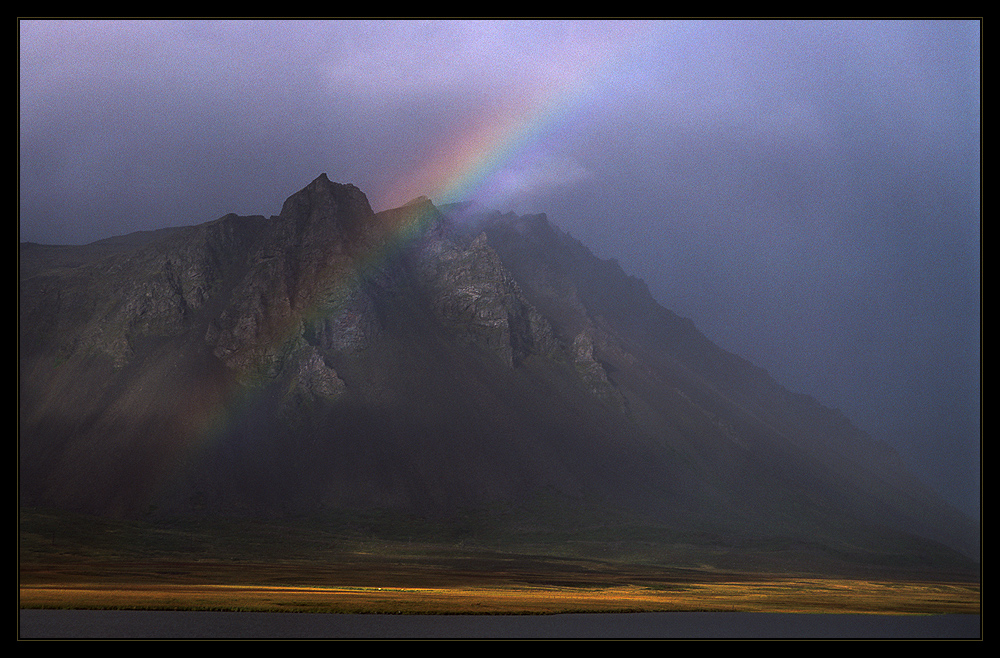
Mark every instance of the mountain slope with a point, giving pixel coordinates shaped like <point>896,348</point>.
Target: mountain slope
<point>420,360</point>
<point>748,434</point>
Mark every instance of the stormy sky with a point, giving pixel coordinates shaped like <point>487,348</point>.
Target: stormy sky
<point>808,193</point>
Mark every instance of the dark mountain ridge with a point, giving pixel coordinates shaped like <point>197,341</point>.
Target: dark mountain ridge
<point>426,361</point>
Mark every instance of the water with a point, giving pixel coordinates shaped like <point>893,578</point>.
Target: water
<point>107,624</point>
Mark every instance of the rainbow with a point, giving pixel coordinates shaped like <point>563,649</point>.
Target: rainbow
<point>465,168</point>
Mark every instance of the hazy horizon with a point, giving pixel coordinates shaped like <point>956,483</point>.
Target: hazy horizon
<point>807,192</point>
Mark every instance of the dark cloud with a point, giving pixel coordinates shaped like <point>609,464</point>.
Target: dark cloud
<point>807,192</point>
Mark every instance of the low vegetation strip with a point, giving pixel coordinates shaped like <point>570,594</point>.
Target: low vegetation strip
<point>778,595</point>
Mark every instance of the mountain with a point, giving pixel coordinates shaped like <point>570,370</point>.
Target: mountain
<point>427,361</point>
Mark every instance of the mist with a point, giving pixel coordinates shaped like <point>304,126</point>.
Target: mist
<point>807,192</point>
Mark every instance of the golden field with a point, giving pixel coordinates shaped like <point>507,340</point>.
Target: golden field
<point>247,588</point>
<point>85,562</point>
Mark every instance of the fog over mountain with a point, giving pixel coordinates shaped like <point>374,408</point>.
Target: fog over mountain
<point>807,193</point>
<point>441,364</point>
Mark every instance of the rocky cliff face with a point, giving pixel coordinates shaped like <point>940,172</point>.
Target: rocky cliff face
<point>331,357</point>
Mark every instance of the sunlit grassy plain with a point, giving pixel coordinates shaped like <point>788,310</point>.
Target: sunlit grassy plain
<point>84,563</point>
<point>777,595</point>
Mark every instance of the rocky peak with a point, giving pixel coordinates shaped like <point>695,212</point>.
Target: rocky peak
<point>324,211</point>
<point>295,264</point>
